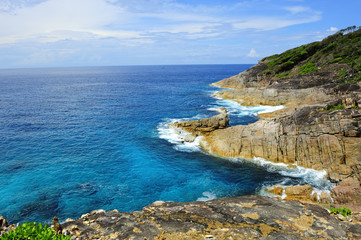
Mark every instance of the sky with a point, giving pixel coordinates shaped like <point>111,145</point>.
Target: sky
<point>61,33</point>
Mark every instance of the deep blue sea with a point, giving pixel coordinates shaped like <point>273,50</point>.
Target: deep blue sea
<point>73,140</point>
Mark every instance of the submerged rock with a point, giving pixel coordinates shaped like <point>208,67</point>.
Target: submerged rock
<point>247,217</point>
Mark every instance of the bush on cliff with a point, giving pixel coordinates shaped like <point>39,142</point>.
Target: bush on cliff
<point>343,211</point>
<point>35,232</point>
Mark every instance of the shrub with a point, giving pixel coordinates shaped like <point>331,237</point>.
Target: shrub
<point>308,67</point>
<point>332,107</point>
<point>283,75</point>
<point>33,232</point>
<point>336,60</point>
<point>284,66</point>
<point>343,211</point>
<point>271,63</point>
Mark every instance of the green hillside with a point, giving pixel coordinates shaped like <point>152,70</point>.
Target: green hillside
<point>342,49</point>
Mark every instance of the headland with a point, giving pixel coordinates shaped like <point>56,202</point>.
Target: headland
<point>319,127</point>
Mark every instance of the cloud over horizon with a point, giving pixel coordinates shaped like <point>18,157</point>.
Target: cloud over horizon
<point>137,27</point>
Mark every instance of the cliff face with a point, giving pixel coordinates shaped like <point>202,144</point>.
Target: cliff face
<point>310,138</point>
<point>247,217</point>
<point>320,126</point>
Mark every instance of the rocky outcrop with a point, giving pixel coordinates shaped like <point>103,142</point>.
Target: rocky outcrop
<point>4,226</point>
<point>348,192</point>
<point>246,79</point>
<point>205,125</point>
<point>272,96</point>
<point>319,128</point>
<point>247,217</point>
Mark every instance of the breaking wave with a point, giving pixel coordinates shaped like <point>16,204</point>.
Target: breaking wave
<point>178,137</point>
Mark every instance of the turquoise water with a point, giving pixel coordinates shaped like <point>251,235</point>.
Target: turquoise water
<point>77,139</point>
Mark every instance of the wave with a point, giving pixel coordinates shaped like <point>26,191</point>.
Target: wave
<point>178,137</point>
<point>206,196</point>
<point>235,109</point>
<point>317,179</point>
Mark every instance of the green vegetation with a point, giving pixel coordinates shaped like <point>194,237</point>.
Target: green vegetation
<point>308,67</point>
<point>34,232</point>
<point>343,47</point>
<point>283,75</point>
<point>343,211</point>
<point>332,107</point>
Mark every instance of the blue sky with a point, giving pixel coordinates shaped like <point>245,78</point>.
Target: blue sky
<point>50,33</point>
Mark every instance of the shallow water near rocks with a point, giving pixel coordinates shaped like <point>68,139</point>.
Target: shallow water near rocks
<point>77,139</point>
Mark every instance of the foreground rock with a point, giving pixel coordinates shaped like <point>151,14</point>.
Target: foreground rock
<point>247,217</point>
<point>4,226</point>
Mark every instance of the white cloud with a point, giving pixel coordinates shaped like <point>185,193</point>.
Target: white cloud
<point>270,23</point>
<point>86,29</point>
<point>55,16</point>
<point>298,9</point>
<point>332,29</point>
<point>54,20</point>
<point>252,53</point>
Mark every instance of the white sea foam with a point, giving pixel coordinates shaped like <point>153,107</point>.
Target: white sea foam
<point>317,179</point>
<point>238,110</point>
<point>263,190</point>
<point>206,196</point>
<point>178,136</point>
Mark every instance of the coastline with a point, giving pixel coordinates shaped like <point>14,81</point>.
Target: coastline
<point>198,139</point>
<point>301,133</point>
<point>237,217</point>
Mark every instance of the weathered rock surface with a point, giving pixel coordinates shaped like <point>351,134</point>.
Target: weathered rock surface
<point>313,139</point>
<point>205,125</point>
<point>299,192</point>
<point>348,192</point>
<point>246,79</point>
<point>272,96</point>
<point>247,217</point>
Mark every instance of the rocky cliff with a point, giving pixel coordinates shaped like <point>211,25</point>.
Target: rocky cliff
<point>320,126</point>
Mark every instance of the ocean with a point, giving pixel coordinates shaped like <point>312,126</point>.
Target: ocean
<point>73,140</point>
